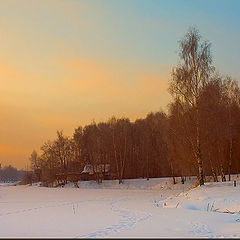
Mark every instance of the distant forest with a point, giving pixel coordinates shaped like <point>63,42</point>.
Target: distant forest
<point>9,173</point>
<point>198,135</point>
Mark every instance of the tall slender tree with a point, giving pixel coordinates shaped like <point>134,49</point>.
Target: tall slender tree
<point>188,79</point>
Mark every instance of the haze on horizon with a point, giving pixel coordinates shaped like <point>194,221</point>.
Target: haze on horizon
<point>64,63</point>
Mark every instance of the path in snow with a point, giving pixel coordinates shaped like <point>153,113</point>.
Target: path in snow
<point>31,211</point>
<point>98,214</point>
<point>128,219</point>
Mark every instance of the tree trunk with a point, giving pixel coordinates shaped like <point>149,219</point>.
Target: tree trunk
<point>198,153</point>
<point>174,180</point>
<point>182,179</point>
<point>230,161</point>
<point>214,175</point>
<point>123,160</point>
<point>223,174</point>
<point>147,167</point>
<point>200,167</point>
<point>116,160</point>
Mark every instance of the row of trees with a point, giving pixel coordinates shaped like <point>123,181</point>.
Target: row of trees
<point>199,135</point>
<point>132,149</point>
<point>10,173</point>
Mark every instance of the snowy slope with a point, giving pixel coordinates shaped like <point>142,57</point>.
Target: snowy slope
<point>217,197</point>
<point>138,208</point>
<point>133,184</point>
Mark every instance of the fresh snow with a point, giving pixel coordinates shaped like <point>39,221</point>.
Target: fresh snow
<point>151,208</point>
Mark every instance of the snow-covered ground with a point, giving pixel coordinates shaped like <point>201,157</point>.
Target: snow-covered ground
<point>136,208</point>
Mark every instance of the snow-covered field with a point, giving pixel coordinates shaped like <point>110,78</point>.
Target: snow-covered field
<point>136,208</point>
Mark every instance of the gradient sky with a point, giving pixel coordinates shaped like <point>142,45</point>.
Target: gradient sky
<point>65,63</point>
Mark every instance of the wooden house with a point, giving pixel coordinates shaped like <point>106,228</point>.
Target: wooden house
<point>92,172</point>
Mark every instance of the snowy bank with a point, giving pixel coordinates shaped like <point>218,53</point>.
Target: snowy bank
<point>138,184</point>
<point>217,197</point>
<point>151,208</point>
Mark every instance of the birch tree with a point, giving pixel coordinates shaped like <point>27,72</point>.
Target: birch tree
<point>188,79</point>
<point>232,92</point>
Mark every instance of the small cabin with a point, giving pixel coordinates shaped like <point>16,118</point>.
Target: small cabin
<point>90,171</point>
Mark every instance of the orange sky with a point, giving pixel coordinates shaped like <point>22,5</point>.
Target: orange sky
<point>34,106</point>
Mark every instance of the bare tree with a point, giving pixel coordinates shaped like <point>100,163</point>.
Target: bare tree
<point>232,92</point>
<point>34,160</point>
<point>120,141</point>
<point>188,79</point>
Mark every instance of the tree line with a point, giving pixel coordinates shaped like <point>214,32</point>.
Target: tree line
<point>10,173</point>
<point>198,135</point>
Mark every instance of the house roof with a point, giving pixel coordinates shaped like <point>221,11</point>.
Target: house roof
<point>103,168</point>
